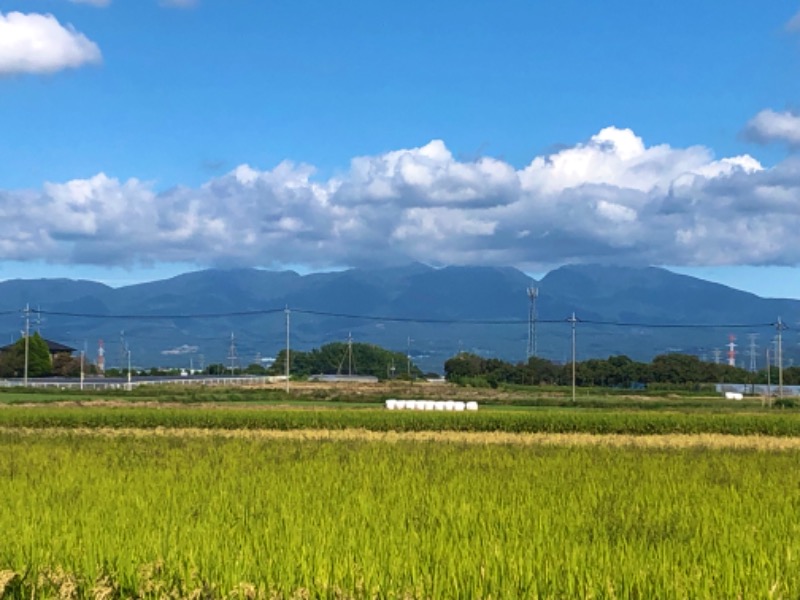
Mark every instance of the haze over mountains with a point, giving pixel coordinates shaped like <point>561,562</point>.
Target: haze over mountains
<point>431,313</point>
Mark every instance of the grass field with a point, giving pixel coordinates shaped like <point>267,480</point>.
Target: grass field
<point>253,494</point>
<point>364,395</point>
<point>212,516</point>
<point>774,423</point>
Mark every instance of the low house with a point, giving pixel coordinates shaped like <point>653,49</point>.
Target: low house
<point>54,348</point>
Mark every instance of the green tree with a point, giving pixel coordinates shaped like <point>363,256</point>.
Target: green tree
<point>40,363</point>
<point>65,365</point>
<point>255,369</point>
<point>215,369</point>
<point>464,365</point>
<point>341,358</point>
<point>12,363</point>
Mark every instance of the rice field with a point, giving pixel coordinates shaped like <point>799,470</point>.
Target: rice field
<point>620,422</point>
<point>242,513</point>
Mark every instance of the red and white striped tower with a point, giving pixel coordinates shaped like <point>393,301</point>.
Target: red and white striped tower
<point>732,350</point>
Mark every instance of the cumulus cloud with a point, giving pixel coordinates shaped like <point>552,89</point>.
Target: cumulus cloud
<point>35,43</point>
<point>611,198</point>
<point>770,126</point>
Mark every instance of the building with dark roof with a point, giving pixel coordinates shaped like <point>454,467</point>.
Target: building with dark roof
<point>54,347</point>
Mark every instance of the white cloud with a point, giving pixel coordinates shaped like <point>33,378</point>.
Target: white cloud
<point>612,198</point>
<point>92,2</point>
<point>179,3</point>
<point>770,126</point>
<point>794,23</point>
<point>35,43</point>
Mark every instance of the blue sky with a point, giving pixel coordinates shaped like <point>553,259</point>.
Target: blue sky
<point>144,138</point>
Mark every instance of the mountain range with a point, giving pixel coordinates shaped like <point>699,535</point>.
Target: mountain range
<point>239,316</point>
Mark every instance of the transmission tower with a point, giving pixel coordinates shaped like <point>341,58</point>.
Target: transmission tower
<point>232,354</point>
<point>123,350</point>
<point>752,352</point>
<point>717,355</point>
<point>101,356</point>
<point>39,320</point>
<point>533,294</point>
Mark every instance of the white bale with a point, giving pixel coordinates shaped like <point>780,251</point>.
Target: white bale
<point>439,405</point>
<point>734,396</point>
<point>391,404</point>
<point>429,404</point>
<point>472,405</point>
<point>449,405</point>
<point>401,404</point>
<point>459,406</point>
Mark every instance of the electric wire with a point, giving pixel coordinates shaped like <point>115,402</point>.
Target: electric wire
<point>402,319</point>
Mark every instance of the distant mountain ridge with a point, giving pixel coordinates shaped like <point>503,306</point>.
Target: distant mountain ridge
<point>397,308</point>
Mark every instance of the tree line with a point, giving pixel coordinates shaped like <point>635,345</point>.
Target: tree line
<point>667,370</point>
<point>678,370</point>
<point>344,359</point>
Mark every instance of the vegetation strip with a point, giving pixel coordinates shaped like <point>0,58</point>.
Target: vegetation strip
<point>219,516</point>
<point>776,424</point>
<point>700,440</point>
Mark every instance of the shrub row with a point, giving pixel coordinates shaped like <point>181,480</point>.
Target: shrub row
<point>531,421</point>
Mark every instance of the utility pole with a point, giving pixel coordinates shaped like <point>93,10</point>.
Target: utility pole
<point>27,341</point>
<point>769,380</point>
<point>533,294</point>
<point>130,387</point>
<point>780,357</point>
<point>408,357</point>
<point>286,310</point>
<point>83,358</point>
<point>350,354</point>
<point>574,321</point>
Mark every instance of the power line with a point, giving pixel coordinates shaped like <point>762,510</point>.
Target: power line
<point>398,319</point>
<point>429,321</point>
<point>144,317</point>
<point>678,325</point>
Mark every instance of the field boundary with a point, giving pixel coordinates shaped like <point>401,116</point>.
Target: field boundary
<point>709,441</point>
